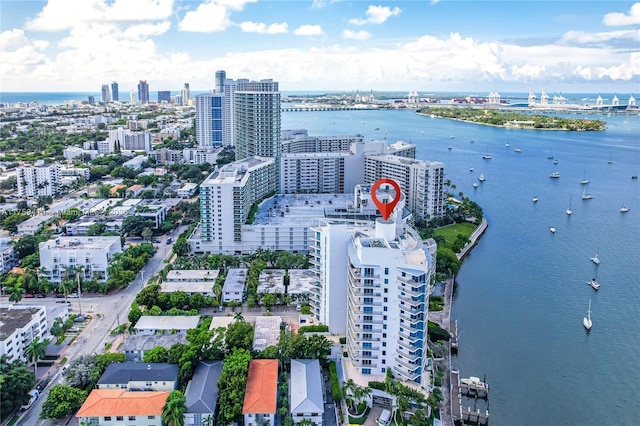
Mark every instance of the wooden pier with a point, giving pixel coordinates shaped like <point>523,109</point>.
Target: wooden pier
<point>456,398</point>
<point>471,388</point>
<point>474,388</point>
<point>453,330</point>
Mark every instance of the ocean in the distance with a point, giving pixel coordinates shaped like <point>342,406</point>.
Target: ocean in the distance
<point>521,293</point>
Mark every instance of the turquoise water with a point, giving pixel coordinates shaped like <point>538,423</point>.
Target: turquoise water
<point>521,294</point>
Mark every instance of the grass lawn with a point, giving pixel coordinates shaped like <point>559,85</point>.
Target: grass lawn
<point>451,232</point>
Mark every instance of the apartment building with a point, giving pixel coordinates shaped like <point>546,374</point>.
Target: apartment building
<point>19,325</point>
<point>38,180</point>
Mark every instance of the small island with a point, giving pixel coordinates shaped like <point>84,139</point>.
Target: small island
<point>491,117</point>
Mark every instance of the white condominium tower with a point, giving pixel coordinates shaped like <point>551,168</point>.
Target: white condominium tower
<point>421,181</point>
<point>39,180</point>
<point>375,277</point>
<point>106,93</point>
<point>209,120</point>
<point>256,106</point>
<point>239,184</point>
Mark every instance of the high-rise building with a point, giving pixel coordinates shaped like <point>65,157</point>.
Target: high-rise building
<point>106,94</point>
<point>143,92</point>
<point>164,96</point>
<point>221,76</point>
<point>185,94</point>
<point>228,118</point>
<point>257,125</point>
<point>39,180</point>
<point>132,97</point>
<point>209,120</point>
<point>92,100</point>
<point>375,279</point>
<point>115,94</point>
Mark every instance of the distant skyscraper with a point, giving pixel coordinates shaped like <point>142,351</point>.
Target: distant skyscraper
<point>221,76</point>
<point>132,97</point>
<point>256,107</point>
<point>164,96</point>
<point>209,116</point>
<point>185,94</point>
<point>106,95</point>
<point>115,94</point>
<point>92,100</point>
<point>143,92</point>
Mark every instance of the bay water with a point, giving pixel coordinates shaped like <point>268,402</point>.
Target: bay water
<point>521,294</point>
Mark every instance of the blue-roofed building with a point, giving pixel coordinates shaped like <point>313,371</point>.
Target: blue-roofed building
<point>306,391</point>
<point>202,393</point>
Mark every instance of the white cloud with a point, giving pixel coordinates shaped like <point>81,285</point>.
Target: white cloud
<point>376,15</point>
<point>356,35</point>
<point>211,16</point>
<point>616,19</point>
<point>59,15</point>
<point>262,28</point>
<point>319,4</point>
<point>434,2</point>
<point>600,37</point>
<point>20,55</point>
<point>308,30</point>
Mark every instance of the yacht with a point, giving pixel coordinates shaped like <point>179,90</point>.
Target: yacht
<point>586,196</point>
<point>518,150</point>
<point>552,229</point>
<point>595,259</point>
<point>554,175</point>
<point>587,320</point>
<point>593,283</point>
<point>475,184</point>
<point>471,169</point>
<point>555,161</point>
<point>584,180</point>
<point>487,156</point>
<point>624,209</point>
<point>481,177</point>
<point>569,208</point>
<point>535,199</point>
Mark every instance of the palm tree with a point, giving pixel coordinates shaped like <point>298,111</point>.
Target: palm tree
<point>349,391</point>
<point>174,408</point>
<point>35,350</point>
<point>65,287</point>
<point>207,421</point>
<point>16,292</point>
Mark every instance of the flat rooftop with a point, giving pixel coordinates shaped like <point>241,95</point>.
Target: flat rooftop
<point>180,322</point>
<point>301,281</point>
<point>193,275</point>
<point>80,243</point>
<point>271,281</point>
<point>13,319</point>
<point>299,209</point>
<point>235,280</point>
<point>187,286</point>
<point>267,332</point>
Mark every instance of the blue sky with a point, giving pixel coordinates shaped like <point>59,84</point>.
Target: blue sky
<point>558,46</point>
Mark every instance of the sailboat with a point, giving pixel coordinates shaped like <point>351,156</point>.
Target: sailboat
<point>595,259</point>
<point>593,283</point>
<point>486,155</point>
<point>481,177</point>
<point>550,156</point>
<point>586,196</point>
<point>569,208</point>
<point>584,180</point>
<point>624,209</point>
<point>587,320</point>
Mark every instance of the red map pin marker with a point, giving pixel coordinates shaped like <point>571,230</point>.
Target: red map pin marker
<point>385,208</point>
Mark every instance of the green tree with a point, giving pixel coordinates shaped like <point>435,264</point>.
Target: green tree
<point>16,380</point>
<point>239,336</point>
<point>181,247</point>
<point>16,292</point>
<point>157,354</point>
<point>96,229</point>
<point>269,300</point>
<point>35,350</point>
<point>134,314</point>
<point>25,246</point>
<point>174,408</point>
<point>62,401</point>
<point>135,225</point>
<point>231,387</point>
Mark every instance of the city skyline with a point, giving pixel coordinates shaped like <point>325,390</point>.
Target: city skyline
<point>322,44</point>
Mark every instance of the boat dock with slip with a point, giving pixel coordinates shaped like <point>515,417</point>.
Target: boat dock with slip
<point>470,415</point>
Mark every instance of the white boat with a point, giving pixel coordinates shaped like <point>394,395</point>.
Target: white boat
<point>595,259</point>
<point>450,147</point>
<point>593,283</point>
<point>586,196</point>
<point>486,155</point>
<point>552,229</point>
<point>624,209</point>
<point>518,150</point>
<point>481,177</point>
<point>535,199</point>
<point>507,145</point>
<point>475,184</point>
<point>471,169</point>
<point>550,156</point>
<point>554,175</point>
<point>584,180</point>
<point>587,320</point>
<point>555,161</point>
<point>569,208</point>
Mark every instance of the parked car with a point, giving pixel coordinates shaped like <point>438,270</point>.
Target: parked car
<point>73,295</point>
<point>33,395</point>
<point>29,296</point>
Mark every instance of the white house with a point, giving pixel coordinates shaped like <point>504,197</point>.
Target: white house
<point>148,324</point>
<point>234,288</point>
<point>20,325</point>
<point>305,391</point>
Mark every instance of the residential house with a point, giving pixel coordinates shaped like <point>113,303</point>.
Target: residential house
<point>305,391</point>
<point>266,332</point>
<point>234,288</point>
<point>139,376</point>
<point>135,190</point>
<point>261,396</point>
<point>149,324</point>
<point>187,190</point>
<point>136,345</point>
<point>108,407</point>
<point>202,393</point>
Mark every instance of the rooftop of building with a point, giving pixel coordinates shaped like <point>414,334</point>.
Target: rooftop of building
<point>187,286</point>
<point>202,391</point>
<point>301,281</point>
<point>306,386</point>
<point>125,372</point>
<point>179,322</point>
<point>234,172</point>
<point>13,318</point>
<point>262,387</point>
<point>80,243</point>
<point>193,275</point>
<point>145,342</point>
<point>271,281</point>
<point>266,332</point>
<point>235,280</point>
<point>299,209</point>
<point>118,402</point>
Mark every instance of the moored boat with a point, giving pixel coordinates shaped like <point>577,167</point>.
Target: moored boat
<point>593,283</point>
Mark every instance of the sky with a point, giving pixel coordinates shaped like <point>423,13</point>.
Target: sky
<point>322,45</point>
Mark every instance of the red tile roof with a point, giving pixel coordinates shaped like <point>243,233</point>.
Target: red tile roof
<point>262,387</point>
<point>118,402</point>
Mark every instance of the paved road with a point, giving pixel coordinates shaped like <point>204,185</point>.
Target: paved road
<point>108,312</point>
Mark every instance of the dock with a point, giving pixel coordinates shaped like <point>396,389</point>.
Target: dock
<point>470,388</point>
<point>456,398</point>
<point>474,387</point>
<point>453,330</point>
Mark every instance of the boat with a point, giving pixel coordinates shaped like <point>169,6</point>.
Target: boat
<point>555,161</point>
<point>593,283</point>
<point>586,196</point>
<point>475,184</point>
<point>535,199</point>
<point>481,177</point>
<point>450,147</point>
<point>634,177</point>
<point>472,141</point>
<point>552,229</point>
<point>554,175</point>
<point>471,169</point>
<point>507,145</point>
<point>518,150</point>
<point>550,156</point>
<point>486,155</point>
<point>569,208</point>
<point>595,259</point>
<point>453,137</point>
<point>587,320</point>
<point>584,180</point>
<point>624,209</point>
